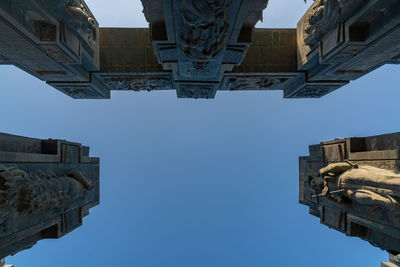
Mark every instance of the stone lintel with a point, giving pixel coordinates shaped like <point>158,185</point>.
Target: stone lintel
<point>335,42</point>
<point>128,62</point>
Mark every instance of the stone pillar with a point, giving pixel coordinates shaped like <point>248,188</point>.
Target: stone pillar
<point>343,40</point>
<point>394,261</point>
<point>55,41</point>
<point>46,188</point>
<point>352,185</point>
<point>3,263</point>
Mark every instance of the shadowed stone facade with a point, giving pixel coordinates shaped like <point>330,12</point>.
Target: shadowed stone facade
<point>55,41</point>
<point>129,66</point>
<point>340,41</point>
<point>46,188</point>
<point>353,186</point>
<point>199,47</point>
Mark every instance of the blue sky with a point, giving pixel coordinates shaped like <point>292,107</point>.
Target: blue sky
<point>193,183</point>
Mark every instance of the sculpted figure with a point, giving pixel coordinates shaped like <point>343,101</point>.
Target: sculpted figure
<point>87,23</point>
<point>324,15</point>
<point>21,193</point>
<point>204,28</point>
<point>76,15</point>
<point>346,183</point>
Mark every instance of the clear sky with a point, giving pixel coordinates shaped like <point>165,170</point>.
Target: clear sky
<point>200,183</point>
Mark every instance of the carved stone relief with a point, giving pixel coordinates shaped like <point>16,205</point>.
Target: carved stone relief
<point>79,92</point>
<point>322,17</point>
<point>313,91</point>
<point>76,15</point>
<point>84,19</point>
<point>254,83</point>
<point>22,193</point>
<point>361,189</point>
<point>204,29</point>
<point>196,91</point>
<point>138,83</point>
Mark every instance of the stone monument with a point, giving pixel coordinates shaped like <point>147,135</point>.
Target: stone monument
<point>199,47</point>
<point>353,186</point>
<point>394,261</point>
<point>3,264</point>
<point>46,188</point>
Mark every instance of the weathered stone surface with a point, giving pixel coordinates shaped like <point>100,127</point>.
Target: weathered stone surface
<point>394,261</point>
<point>199,41</point>
<point>339,41</point>
<point>353,186</point>
<point>3,264</point>
<point>200,47</point>
<point>55,41</point>
<point>128,63</point>
<point>46,188</point>
<point>272,50</point>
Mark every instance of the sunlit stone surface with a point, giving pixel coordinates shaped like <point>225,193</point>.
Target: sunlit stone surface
<point>353,186</point>
<point>3,264</point>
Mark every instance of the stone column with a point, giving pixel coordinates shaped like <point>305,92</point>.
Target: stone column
<point>55,41</point>
<point>46,188</point>
<point>340,41</point>
<point>353,186</point>
<point>3,263</point>
<point>394,261</point>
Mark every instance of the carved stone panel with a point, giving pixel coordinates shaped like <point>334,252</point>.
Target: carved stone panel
<point>200,40</point>
<point>355,186</point>
<point>46,188</point>
<point>138,82</point>
<point>204,29</point>
<point>254,82</point>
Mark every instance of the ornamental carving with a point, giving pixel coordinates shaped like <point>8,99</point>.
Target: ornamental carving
<point>325,15</point>
<point>313,91</point>
<point>254,83</point>
<point>322,17</point>
<point>22,193</point>
<point>84,20</point>
<point>138,83</point>
<point>204,29</point>
<point>360,188</point>
<point>79,92</point>
<point>196,91</point>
